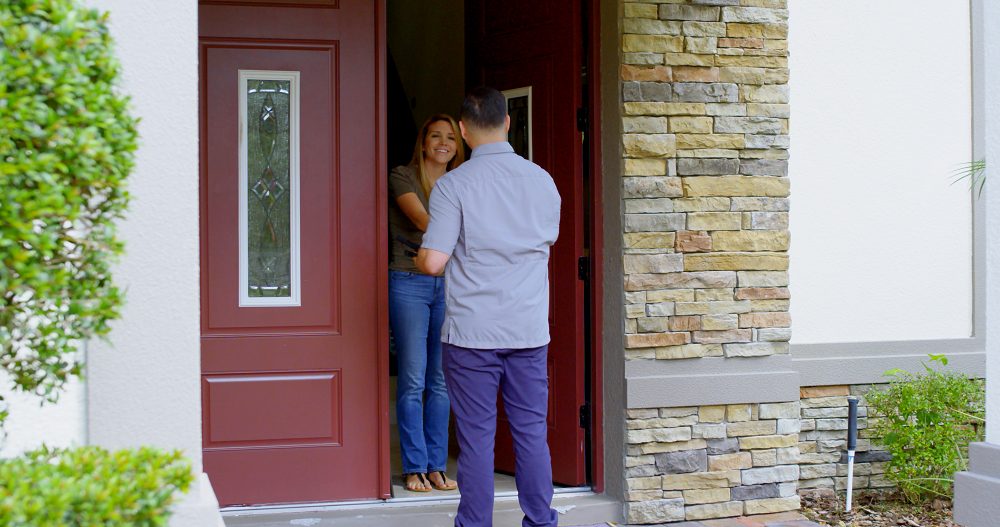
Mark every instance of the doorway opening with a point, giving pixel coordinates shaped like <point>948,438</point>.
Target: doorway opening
<point>537,54</point>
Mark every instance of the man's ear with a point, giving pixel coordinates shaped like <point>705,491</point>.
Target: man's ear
<point>506,123</point>
<point>465,134</point>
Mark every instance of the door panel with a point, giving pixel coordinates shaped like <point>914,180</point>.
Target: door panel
<point>290,218</point>
<point>516,44</point>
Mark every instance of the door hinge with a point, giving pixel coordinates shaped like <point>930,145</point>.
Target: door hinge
<point>583,268</point>
<point>581,119</point>
<point>585,416</point>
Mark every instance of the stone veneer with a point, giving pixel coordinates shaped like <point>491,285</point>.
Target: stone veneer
<point>823,442</point>
<point>697,463</point>
<point>705,120</point>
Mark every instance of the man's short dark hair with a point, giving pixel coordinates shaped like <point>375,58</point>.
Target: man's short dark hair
<point>484,108</point>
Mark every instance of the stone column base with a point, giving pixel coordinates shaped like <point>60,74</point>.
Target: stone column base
<point>199,507</point>
<point>976,491</point>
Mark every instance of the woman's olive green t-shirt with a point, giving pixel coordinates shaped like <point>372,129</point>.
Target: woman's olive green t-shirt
<point>403,179</point>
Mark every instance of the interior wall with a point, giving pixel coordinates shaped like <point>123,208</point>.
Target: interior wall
<point>426,42</point>
<point>881,241</point>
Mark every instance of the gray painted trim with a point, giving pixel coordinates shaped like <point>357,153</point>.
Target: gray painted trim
<point>824,364</point>
<point>613,308</point>
<point>976,490</point>
<point>711,380</point>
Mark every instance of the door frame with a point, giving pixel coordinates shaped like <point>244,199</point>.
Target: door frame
<point>382,220</point>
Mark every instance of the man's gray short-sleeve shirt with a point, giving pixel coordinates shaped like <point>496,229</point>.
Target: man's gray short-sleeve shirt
<point>496,215</point>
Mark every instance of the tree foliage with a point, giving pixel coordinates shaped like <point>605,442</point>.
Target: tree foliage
<point>67,143</point>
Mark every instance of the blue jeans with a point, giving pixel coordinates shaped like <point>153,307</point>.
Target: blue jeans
<point>416,313</point>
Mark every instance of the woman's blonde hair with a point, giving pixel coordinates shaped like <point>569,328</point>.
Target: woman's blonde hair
<point>418,150</point>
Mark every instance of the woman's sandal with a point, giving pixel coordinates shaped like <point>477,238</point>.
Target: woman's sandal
<point>412,485</point>
<point>445,485</point>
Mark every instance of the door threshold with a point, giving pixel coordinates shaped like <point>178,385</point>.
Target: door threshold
<point>576,506</point>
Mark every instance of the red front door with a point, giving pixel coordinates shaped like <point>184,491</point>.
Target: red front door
<point>517,44</point>
<point>290,233</point>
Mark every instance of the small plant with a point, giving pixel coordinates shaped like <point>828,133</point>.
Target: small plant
<point>66,147</point>
<point>926,421</point>
<point>975,172</point>
<point>91,486</point>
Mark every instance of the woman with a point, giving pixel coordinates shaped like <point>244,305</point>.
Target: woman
<point>416,310</point>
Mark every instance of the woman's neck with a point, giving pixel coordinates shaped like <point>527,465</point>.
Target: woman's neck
<point>434,170</point>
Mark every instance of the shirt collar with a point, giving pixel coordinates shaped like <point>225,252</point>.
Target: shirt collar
<point>500,147</point>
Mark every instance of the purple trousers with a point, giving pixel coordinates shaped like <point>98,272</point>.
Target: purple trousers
<point>473,377</point>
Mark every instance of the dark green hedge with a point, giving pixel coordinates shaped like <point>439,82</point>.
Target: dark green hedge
<point>67,143</point>
<point>91,486</point>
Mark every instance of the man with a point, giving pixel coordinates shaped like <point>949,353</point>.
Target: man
<point>493,220</point>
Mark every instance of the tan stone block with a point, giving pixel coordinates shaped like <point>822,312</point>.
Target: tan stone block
<point>685,323</point>
<point>645,167</point>
<point>640,282</point>
<point>695,74</point>
<point>704,29</point>
<point>774,4</point>
<point>649,240</point>
<point>690,125</point>
<point>772,441</point>
<point>700,44</point>
<point>748,240</point>
<point>763,278</point>
<point>631,72</point>
<point>750,61</point>
<point>765,320</point>
<point>688,351</point>
<point>642,58</point>
<point>701,480</point>
<point>771,505</point>
<point>778,44</point>
<point>644,353</point>
<point>665,108</point>
<point>743,75</point>
<point>652,340</point>
<point>688,59</point>
<point>644,124</point>
<point>764,458</point>
<point>635,10</point>
<point>646,483</point>
<point>711,308</point>
<point>769,305</point>
<point>670,295</point>
<point>652,43</point>
<point>721,293</point>
<point>635,310</point>
<point>652,263</point>
<point>713,510</point>
<point>709,153</point>
<point>722,337</point>
<point>700,496</point>
<point>810,392</point>
<point>751,428</point>
<point>650,145</point>
<point>656,448</point>
<point>712,204</point>
<point>691,241</point>
<point>735,461</point>
<point>768,110</point>
<point>711,414</point>
<point>699,186</point>
<point>719,322</point>
<point>743,30</point>
<point>735,261</point>
<point>741,43</point>
<point>714,221</point>
<point>643,495</point>
<point>707,140</point>
<point>736,413</point>
<point>762,293</point>
<point>769,93</point>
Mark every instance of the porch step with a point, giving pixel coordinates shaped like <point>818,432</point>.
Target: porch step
<point>782,519</point>
<point>574,509</point>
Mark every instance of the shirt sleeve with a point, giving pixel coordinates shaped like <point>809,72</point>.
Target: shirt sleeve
<point>446,219</point>
<point>401,181</point>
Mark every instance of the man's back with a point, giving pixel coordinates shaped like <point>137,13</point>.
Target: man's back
<point>506,210</point>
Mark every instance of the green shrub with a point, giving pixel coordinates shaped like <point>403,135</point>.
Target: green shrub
<point>66,146</point>
<point>926,421</point>
<point>90,486</point>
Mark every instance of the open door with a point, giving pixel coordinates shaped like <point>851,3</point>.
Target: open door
<point>533,52</point>
<point>291,266</point>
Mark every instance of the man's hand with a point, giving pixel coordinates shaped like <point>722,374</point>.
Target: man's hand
<point>431,262</point>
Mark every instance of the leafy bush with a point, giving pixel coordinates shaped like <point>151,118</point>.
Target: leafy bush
<point>91,486</point>
<point>66,146</point>
<point>926,421</point>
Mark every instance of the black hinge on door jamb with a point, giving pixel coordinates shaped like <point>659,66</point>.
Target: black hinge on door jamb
<point>585,416</point>
<point>583,268</point>
<point>581,119</point>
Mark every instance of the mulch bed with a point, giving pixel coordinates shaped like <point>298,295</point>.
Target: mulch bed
<point>874,509</point>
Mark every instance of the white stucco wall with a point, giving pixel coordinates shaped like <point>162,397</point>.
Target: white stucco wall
<point>991,106</point>
<point>881,115</point>
<point>31,424</point>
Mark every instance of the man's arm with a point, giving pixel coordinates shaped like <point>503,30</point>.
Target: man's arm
<point>431,262</point>
<point>442,231</point>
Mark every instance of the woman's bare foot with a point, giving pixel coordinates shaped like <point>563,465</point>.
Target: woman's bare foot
<point>415,482</point>
<point>440,481</point>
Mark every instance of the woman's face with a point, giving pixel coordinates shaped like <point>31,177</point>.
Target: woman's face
<point>439,143</point>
